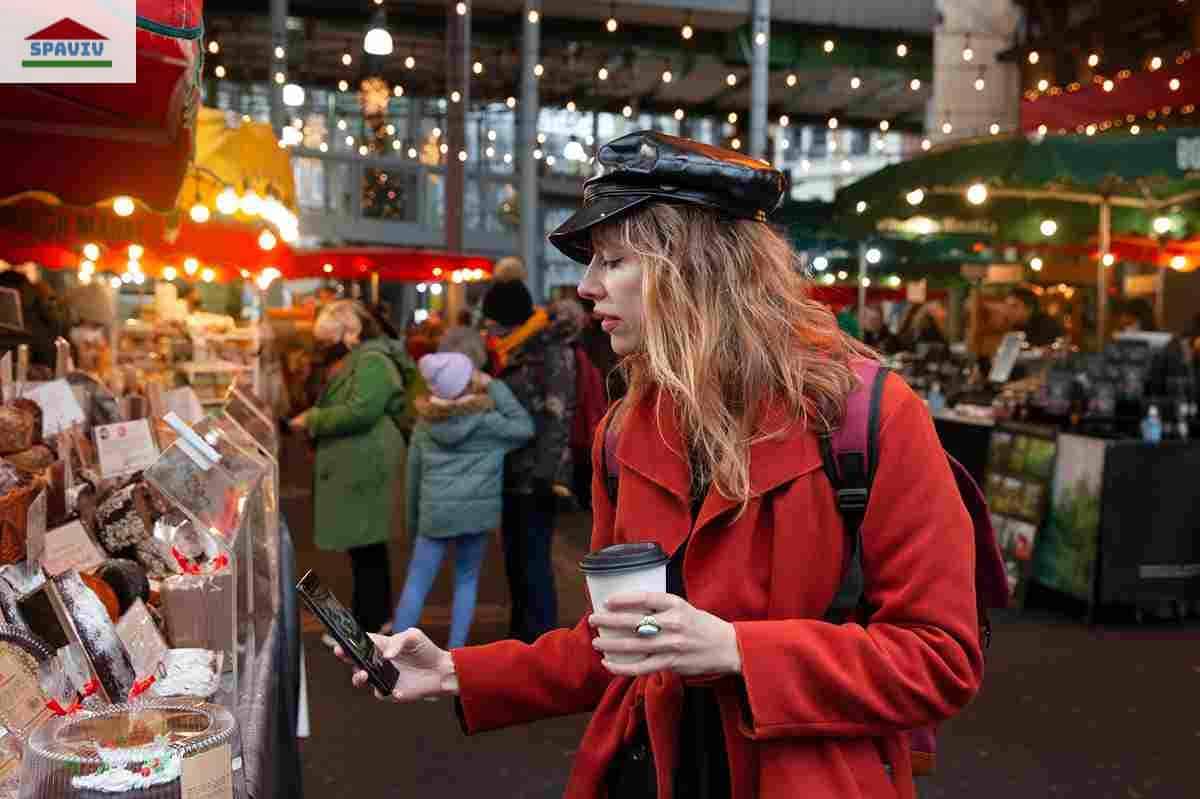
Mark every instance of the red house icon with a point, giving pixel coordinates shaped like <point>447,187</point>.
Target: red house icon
<point>66,28</point>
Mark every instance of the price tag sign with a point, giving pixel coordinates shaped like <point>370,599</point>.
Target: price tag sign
<point>125,447</point>
<point>71,547</point>
<point>21,697</point>
<point>142,640</point>
<point>208,775</point>
<point>35,527</point>
<point>60,408</point>
<point>184,403</point>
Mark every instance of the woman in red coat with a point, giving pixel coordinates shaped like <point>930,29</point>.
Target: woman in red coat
<point>743,690</point>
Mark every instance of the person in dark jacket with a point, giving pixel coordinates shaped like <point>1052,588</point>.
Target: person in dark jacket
<point>42,322</point>
<point>1040,329</point>
<point>535,359</point>
<point>465,425</point>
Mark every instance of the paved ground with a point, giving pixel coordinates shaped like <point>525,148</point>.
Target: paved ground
<point>1108,712</point>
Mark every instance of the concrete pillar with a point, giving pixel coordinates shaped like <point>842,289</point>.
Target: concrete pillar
<point>531,228</point>
<point>760,76</point>
<point>279,38</point>
<point>987,27</point>
<point>458,73</point>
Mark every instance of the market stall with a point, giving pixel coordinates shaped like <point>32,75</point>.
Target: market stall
<point>143,561</point>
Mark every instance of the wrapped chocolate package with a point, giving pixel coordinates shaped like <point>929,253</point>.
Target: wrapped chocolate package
<point>81,615</point>
<point>20,426</point>
<point>199,612</point>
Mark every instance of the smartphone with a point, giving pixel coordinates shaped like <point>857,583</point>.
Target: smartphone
<point>346,631</point>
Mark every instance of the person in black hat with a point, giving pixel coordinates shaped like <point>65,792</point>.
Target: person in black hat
<point>732,683</point>
<point>532,354</point>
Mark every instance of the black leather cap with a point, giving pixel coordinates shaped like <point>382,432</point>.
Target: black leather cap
<point>649,166</point>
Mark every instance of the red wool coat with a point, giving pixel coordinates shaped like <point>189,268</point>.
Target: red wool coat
<point>819,708</point>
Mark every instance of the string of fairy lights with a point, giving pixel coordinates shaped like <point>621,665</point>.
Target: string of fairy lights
<point>378,41</point>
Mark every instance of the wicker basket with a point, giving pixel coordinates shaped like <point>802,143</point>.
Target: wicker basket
<point>14,512</point>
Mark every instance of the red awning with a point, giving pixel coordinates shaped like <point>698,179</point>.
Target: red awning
<point>84,143</point>
<point>1146,95</point>
<point>390,263</point>
<point>54,236</point>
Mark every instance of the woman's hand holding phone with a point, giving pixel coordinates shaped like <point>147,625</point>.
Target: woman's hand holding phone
<point>425,669</point>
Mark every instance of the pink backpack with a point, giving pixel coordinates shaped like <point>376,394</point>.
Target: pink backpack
<point>849,457</point>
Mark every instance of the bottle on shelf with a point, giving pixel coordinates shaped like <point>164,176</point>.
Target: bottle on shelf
<point>935,398</point>
<point>1152,426</point>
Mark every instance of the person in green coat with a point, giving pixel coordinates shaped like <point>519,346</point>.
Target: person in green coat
<point>356,427</point>
<point>465,426</point>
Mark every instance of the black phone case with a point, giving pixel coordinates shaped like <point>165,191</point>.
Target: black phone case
<point>377,679</point>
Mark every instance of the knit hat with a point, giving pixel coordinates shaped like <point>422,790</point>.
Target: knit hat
<point>508,302</point>
<point>446,373</point>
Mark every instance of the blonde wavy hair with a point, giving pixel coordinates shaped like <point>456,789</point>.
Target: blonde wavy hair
<point>729,328</point>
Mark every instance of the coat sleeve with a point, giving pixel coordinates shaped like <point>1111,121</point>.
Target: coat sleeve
<point>412,483</point>
<point>509,422</point>
<point>918,660</point>
<point>508,682</point>
<point>373,384</point>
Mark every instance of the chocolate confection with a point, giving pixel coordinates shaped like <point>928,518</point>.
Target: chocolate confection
<point>127,579</point>
<point>34,460</point>
<point>119,526</point>
<point>96,634</point>
<point>19,428</point>
<point>199,611</point>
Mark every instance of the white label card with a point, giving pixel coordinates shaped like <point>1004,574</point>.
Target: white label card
<point>60,408</point>
<point>125,447</point>
<point>71,547</point>
<point>208,775</point>
<point>6,375</point>
<point>35,529</point>
<point>184,403</point>
<point>142,640</point>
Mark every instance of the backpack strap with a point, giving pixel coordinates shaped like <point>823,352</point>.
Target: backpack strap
<point>849,457</point>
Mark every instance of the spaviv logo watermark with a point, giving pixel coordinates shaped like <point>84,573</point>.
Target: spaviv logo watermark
<point>69,41</point>
<point>69,44</point>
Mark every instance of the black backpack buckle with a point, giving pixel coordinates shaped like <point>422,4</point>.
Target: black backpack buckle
<point>852,499</point>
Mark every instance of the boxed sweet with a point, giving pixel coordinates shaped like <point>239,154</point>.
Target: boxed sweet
<point>151,750</point>
<point>193,673</point>
<point>199,611</point>
<point>20,426</point>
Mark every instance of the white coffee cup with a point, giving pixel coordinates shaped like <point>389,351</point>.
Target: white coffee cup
<point>620,569</point>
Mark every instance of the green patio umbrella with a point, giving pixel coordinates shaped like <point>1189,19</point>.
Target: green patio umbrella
<point>1012,188</point>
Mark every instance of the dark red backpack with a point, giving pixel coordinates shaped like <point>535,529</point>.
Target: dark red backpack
<point>849,458</point>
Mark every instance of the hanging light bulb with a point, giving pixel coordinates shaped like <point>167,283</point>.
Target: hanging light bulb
<point>1155,64</point>
<point>123,206</point>
<point>1093,60</point>
<point>219,71</point>
<point>410,62</point>
<point>731,79</point>
<point>915,84</point>
<point>1048,227</point>
<point>208,275</point>
<point>679,114</point>
<point>190,265</point>
<point>791,79</point>
<point>378,41</point>
<point>347,59</point>
<point>784,120</point>
<point>534,17</point>
<point>994,129</point>
<point>251,203</point>
<point>1108,259</point>
<point>732,118</point>
<point>199,213</point>
<point>884,125</point>
<point>968,54</point>
<point>91,251</point>
<point>686,32</point>
<point>915,197</point>
<point>169,273</point>
<point>1035,263</point>
<point>855,82</point>
<point>267,240</point>
<point>1162,225</point>
<point>667,76</point>
<point>602,74</point>
<point>477,67</point>
<point>136,251</point>
<point>977,194</point>
<point>980,84</point>
<point>1034,57</point>
<point>611,24</point>
<point>736,144</point>
<point>902,50</point>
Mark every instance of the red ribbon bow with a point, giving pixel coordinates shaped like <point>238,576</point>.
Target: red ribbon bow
<point>89,688</point>
<point>191,567</point>
<point>141,686</point>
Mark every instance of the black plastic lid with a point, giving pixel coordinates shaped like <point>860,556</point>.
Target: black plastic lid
<point>623,557</point>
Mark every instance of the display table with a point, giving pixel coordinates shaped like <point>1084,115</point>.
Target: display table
<point>268,707</point>
<point>1125,522</point>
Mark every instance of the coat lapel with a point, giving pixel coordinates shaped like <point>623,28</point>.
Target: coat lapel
<point>651,445</point>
